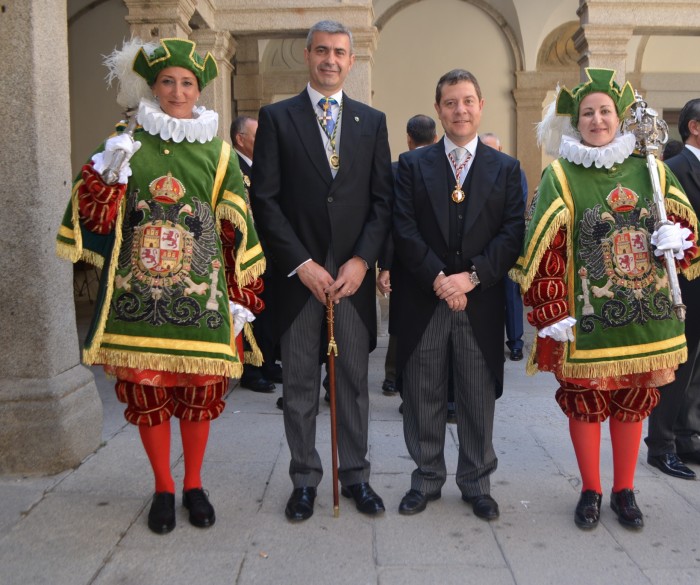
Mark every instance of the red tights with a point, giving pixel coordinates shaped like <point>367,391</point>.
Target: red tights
<point>156,442</point>
<point>626,438</point>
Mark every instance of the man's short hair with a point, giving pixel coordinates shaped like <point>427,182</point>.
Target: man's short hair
<point>331,27</point>
<point>421,129</point>
<point>238,127</point>
<point>453,77</point>
<point>690,112</point>
<point>672,148</point>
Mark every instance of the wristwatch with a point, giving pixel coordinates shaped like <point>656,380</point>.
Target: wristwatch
<point>474,277</point>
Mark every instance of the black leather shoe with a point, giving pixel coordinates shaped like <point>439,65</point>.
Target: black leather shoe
<point>587,512</point>
<point>484,506</point>
<point>690,457</point>
<point>280,403</point>
<point>625,506</point>
<point>401,408</point>
<point>389,388</point>
<point>201,511</point>
<point>366,499</point>
<point>262,385</point>
<point>670,464</point>
<point>516,355</point>
<point>301,504</point>
<point>451,413</point>
<point>416,501</point>
<point>327,397</point>
<point>161,516</point>
<point>273,373</point>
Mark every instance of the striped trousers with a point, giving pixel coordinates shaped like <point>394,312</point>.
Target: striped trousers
<point>301,345</point>
<point>425,405</point>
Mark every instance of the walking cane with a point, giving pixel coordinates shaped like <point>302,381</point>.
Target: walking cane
<point>332,354</point>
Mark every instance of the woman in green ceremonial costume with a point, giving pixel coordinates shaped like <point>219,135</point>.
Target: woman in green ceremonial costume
<point>592,270</point>
<point>161,208</point>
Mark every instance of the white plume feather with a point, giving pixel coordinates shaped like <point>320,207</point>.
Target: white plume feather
<point>552,127</point>
<point>132,87</point>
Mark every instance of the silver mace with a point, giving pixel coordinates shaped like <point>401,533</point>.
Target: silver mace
<point>651,132</point>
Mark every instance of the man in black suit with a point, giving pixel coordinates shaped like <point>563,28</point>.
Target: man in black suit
<point>458,228</point>
<point>257,378</point>
<point>322,199</point>
<point>674,425</point>
<point>420,131</point>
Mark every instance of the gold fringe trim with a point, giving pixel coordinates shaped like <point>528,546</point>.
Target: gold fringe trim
<point>623,367</point>
<point>253,357</point>
<point>247,276</point>
<point>531,365</point>
<point>167,363</point>
<point>68,252</point>
<point>692,271</point>
<point>524,279</point>
<point>93,350</point>
<point>680,210</point>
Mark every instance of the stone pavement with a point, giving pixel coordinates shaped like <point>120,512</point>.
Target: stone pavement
<point>88,525</point>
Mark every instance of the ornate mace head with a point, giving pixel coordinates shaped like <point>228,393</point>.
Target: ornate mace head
<point>648,128</point>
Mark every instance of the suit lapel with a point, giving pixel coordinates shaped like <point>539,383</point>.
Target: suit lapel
<point>305,122</point>
<point>694,166</point>
<point>484,171</point>
<point>434,171</point>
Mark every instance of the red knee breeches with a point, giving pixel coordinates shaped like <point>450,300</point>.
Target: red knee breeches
<point>592,405</point>
<point>153,405</point>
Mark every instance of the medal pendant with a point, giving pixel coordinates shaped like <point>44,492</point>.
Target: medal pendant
<point>335,161</point>
<point>457,195</point>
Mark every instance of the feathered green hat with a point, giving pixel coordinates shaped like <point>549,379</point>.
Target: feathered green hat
<point>175,53</point>
<point>599,80</point>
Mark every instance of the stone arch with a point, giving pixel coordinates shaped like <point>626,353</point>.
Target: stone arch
<point>558,50</point>
<point>510,36</point>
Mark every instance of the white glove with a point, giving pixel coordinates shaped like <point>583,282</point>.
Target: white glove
<point>241,316</point>
<point>671,237</point>
<point>121,143</point>
<point>559,331</point>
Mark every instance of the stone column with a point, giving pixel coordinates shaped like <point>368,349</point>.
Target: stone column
<point>359,81</point>
<point>603,46</point>
<point>217,95</point>
<point>528,109</point>
<point>163,19</point>
<point>50,411</point>
<point>247,87</point>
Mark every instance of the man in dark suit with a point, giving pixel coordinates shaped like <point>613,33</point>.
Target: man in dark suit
<point>257,378</point>
<point>322,199</point>
<point>420,132</point>
<point>458,228</point>
<point>674,425</point>
<point>514,301</point>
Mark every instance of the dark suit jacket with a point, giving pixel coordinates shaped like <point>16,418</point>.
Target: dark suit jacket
<point>302,211</point>
<point>686,167</point>
<point>493,235</point>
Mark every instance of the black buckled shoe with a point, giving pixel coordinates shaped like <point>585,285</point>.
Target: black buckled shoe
<point>670,464</point>
<point>587,512</point>
<point>161,516</point>
<point>516,355</point>
<point>416,501</point>
<point>625,506</point>
<point>201,511</point>
<point>366,499</point>
<point>301,504</point>
<point>484,506</point>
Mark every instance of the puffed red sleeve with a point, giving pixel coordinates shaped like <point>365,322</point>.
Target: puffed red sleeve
<point>547,294</point>
<point>98,203</point>
<point>247,296</point>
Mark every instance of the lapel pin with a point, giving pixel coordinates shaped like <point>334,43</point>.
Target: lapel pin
<point>357,118</point>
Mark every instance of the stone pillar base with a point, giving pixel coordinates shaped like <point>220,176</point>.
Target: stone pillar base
<point>49,425</point>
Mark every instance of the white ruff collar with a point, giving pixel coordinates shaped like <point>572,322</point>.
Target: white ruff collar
<point>201,128</point>
<point>601,156</point>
